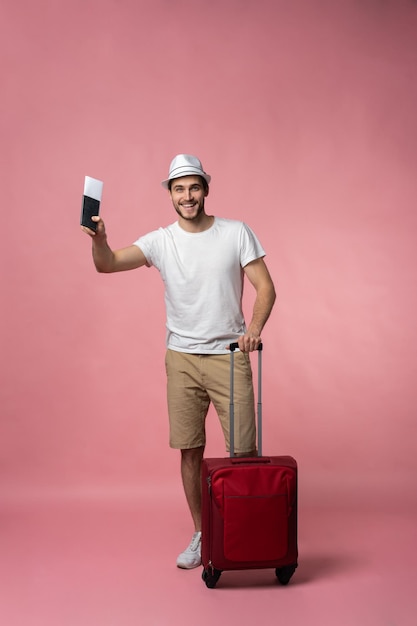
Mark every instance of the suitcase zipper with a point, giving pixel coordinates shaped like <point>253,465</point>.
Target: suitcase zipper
<point>210,564</point>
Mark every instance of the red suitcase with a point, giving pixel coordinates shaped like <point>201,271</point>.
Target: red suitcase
<point>249,507</point>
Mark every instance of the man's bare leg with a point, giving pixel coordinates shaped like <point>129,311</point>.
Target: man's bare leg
<point>191,479</point>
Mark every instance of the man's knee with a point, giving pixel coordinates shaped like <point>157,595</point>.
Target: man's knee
<point>251,453</point>
<point>192,455</point>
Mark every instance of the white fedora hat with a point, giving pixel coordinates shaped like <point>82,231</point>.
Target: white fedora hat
<point>185,165</point>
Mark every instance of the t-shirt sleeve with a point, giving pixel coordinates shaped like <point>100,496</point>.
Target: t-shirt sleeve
<point>147,243</point>
<point>250,246</point>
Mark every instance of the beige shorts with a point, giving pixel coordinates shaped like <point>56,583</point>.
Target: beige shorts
<point>195,380</point>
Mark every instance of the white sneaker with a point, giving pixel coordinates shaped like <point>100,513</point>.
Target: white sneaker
<point>191,557</point>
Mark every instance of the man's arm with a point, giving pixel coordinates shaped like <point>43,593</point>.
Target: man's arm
<point>105,259</point>
<point>258,274</point>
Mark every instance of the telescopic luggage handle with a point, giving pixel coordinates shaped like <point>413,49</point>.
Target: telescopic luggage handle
<point>233,347</point>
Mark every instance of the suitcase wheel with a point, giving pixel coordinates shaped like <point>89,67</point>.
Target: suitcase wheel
<point>211,577</point>
<point>284,573</point>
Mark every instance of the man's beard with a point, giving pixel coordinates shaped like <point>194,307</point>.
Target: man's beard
<point>191,217</point>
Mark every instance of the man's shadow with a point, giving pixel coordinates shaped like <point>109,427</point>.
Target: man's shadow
<point>317,567</point>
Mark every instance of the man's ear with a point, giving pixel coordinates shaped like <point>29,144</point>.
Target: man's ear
<point>206,193</point>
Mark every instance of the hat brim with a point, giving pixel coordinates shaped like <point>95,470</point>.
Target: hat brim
<point>188,171</point>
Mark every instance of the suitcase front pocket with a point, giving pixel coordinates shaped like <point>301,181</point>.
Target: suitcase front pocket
<point>255,527</point>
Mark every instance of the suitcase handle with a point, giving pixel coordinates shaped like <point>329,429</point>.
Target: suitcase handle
<point>254,460</point>
<point>232,348</point>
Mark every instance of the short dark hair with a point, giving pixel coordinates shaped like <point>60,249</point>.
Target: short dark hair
<point>203,182</point>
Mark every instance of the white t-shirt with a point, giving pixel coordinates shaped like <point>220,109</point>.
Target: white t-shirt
<point>203,278</point>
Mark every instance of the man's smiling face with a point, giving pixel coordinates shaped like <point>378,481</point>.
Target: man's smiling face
<point>187,195</point>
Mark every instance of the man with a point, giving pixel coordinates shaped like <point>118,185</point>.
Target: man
<point>203,260</point>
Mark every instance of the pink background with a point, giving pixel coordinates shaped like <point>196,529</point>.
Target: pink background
<point>304,113</point>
